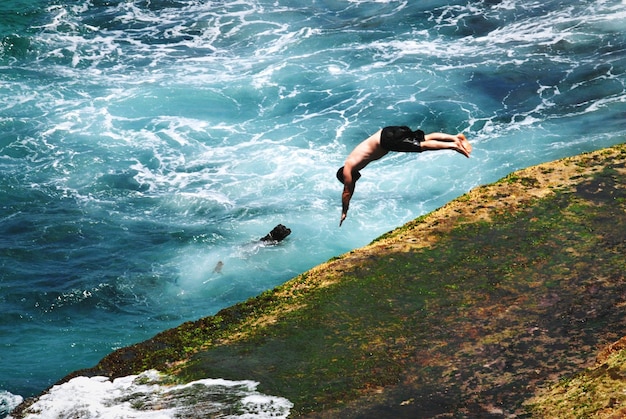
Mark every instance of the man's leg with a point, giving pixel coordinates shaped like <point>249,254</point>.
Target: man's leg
<point>442,141</point>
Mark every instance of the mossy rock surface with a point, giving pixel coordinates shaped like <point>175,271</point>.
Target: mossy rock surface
<point>597,392</point>
<point>470,311</point>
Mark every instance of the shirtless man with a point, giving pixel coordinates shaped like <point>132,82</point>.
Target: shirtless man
<point>395,138</point>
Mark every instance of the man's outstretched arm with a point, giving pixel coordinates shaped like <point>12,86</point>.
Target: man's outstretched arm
<point>346,195</point>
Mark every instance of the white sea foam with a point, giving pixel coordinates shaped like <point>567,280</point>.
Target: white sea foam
<point>153,395</point>
<point>8,402</point>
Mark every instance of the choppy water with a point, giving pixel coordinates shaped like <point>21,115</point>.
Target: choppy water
<point>141,142</point>
<point>152,395</point>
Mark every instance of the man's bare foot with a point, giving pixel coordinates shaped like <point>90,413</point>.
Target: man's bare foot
<point>466,145</point>
<point>461,150</point>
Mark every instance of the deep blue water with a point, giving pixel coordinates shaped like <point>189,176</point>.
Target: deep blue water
<point>141,142</point>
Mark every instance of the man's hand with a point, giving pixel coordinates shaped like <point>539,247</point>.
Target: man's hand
<point>348,189</point>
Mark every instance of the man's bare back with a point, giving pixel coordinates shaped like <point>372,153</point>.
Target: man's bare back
<point>364,153</point>
<point>373,149</point>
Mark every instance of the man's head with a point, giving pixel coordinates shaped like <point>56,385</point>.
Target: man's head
<point>355,175</point>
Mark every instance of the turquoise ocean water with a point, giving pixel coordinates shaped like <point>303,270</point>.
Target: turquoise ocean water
<point>142,142</point>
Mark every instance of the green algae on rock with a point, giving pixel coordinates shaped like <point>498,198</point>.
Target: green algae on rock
<point>597,391</point>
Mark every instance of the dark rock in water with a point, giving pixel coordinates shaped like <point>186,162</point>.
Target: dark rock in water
<point>277,234</point>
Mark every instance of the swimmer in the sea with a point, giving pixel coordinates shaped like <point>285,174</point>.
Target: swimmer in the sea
<point>218,267</point>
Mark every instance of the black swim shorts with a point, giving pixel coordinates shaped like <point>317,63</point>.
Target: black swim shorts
<point>401,138</point>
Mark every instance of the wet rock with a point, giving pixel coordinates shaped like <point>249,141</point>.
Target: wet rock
<point>278,234</point>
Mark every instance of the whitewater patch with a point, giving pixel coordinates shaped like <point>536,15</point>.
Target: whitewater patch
<point>8,402</point>
<point>154,395</point>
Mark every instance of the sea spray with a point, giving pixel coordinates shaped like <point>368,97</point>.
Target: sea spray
<point>155,396</point>
<point>8,402</point>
